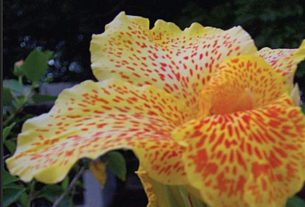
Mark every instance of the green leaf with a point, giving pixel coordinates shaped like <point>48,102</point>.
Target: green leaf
<point>36,64</point>
<point>18,70</point>
<point>7,130</point>
<point>12,185</point>
<point>7,97</point>
<point>65,183</point>
<point>20,102</point>
<point>66,202</point>
<point>14,85</point>
<point>23,199</point>
<point>43,98</point>
<point>295,202</point>
<point>10,145</point>
<point>8,178</point>
<point>116,163</point>
<point>300,73</point>
<point>50,192</point>
<point>11,195</point>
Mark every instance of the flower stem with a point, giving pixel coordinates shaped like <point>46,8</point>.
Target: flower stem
<point>30,197</point>
<point>70,187</point>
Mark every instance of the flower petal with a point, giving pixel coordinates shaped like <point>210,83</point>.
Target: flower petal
<point>148,188</point>
<point>241,83</point>
<point>160,195</point>
<point>284,60</point>
<point>92,118</point>
<point>248,147</point>
<point>252,158</point>
<point>180,62</point>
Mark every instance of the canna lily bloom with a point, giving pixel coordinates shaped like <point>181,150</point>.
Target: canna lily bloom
<point>200,108</point>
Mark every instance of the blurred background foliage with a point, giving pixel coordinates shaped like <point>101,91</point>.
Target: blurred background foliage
<point>65,28</point>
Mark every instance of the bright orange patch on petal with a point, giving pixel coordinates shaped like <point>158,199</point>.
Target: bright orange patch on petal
<point>242,83</point>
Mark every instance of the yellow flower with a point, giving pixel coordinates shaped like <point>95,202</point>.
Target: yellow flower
<point>201,108</point>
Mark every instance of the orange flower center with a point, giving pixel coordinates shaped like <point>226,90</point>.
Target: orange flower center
<point>226,100</point>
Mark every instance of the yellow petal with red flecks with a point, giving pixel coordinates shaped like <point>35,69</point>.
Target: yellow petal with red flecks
<point>284,61</point>
<point>251,158</point>
<point>92,118</point>
<point>180,62</point>
<point>240,84</point>
<point>248,147</point>
<point>163,159</point>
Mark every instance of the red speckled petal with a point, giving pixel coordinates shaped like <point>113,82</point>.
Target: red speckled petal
<point>248,148</point>
<point>179,62</point>
<point>284,61</point>
<point>254,158</point>
<point>92,118</point>
<point>241,83</point>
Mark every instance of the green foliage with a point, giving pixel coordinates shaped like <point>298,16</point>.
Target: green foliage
<point>42,98</point>
<point>35,65</point>
<point>50,192</point>
<point>7,130</point>
<point>16,96</point>
<point>295,202</point>
<point>8,178</point>
<point>14,86</point>
<point>11,194</point>
<point>270,23</point>
<point>116,163</point>
<point>301,71</point>
<point>10,145</point>
<point>65,183</point>
<point>7,97</point>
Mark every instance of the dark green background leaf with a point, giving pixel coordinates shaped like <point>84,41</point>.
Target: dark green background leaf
<point>65,183</point>
<point>36,64</point>
<point>43,98</point>
<point>66,202</point>
<point>10,195</point>
<point>14,85</point>
<point>7,130</point>
<point>50,192</point>
<point>116,163</point>
<point>295,202</point>
<point>7,97</point>
<point>10,145</point>
<point>8,178</point>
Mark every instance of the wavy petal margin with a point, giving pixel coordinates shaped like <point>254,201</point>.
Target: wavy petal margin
<point>179,62</point>
<point>284,61</point>
<point>254,158</point>
<point>92,118</point>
